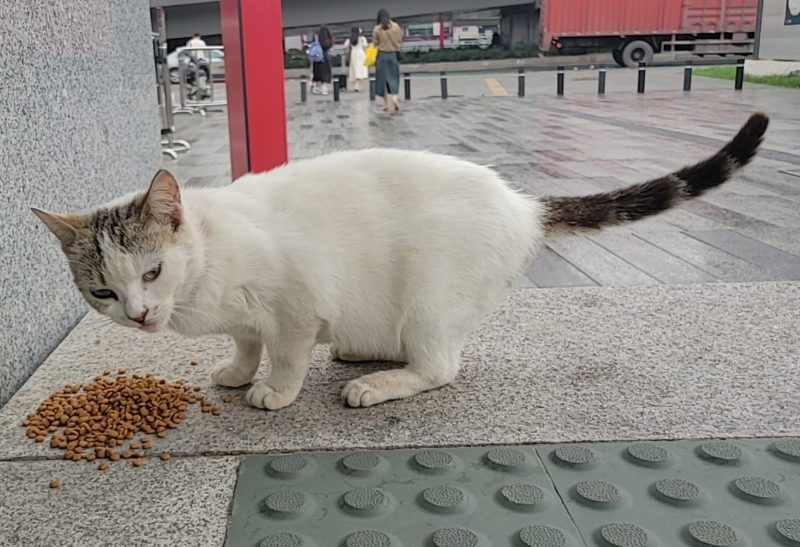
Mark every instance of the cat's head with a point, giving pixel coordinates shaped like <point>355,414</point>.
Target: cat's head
<point>127,259</point>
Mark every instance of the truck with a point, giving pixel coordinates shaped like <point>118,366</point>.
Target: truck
<point>634,30</point>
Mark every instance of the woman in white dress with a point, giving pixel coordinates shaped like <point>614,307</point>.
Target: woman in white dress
<point>357,46</point>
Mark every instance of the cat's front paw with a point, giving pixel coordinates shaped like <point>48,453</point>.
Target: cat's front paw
<point>231,376</point>
<point>262,395</point>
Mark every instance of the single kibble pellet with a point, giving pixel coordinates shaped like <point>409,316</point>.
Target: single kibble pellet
<point>161,434</point>
<point>197,388</point>
<point>215,411</point>
<point>227,399</point>
<point>103,466</point>
<point>134,446</point>
<point>165,456</point>
<point>114,457</point>
<point>39,438</point>
<point>194,363</point>
<point>106,372</point>
<point>122,371</point>
<point>55,484</point>
<point>76,457</point>
<point>137,463</point>
<point>145,439</point>
<point>127,454</point>
<point>147,446</point>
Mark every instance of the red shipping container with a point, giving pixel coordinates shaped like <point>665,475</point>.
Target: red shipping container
<point>657,18</point>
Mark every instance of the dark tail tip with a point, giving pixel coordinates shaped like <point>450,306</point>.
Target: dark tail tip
<point>745,144</point>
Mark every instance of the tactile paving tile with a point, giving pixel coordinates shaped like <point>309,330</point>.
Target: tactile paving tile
<point>463,497</point>
<point>736,493</point>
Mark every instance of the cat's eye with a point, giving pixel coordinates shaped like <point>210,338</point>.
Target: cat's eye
<point>152,274</point>
<point>104,294</point>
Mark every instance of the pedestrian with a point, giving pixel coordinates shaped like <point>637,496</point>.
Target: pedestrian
<point>357,46</point>
<point>321,61</point>
<point>197,41</point>
<point>387,37</point>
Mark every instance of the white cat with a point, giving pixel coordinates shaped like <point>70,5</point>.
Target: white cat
<point>386,254</point>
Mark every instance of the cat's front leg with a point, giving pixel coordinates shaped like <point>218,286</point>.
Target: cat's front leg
<point>246,360</point>
<point>290,354</point>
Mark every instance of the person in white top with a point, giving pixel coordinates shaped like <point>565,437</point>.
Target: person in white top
<point>197,41</point>
<point>357,46</point>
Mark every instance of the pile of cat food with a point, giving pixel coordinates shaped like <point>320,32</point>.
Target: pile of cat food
<point>101,420</point>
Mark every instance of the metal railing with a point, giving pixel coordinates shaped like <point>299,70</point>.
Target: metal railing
<point>201,84</point>
<point>560,78</point>
<point>170,146</point>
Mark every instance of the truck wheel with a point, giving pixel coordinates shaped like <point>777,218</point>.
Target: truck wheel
<point>617,55</point>
<point>637,52</point>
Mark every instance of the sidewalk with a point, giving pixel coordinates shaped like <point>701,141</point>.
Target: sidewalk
<point>691,337</point>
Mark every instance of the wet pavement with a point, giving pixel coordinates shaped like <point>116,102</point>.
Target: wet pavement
<point>748,230</point>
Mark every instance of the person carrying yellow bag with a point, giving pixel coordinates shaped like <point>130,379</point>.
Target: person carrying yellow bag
<point>371,55</point>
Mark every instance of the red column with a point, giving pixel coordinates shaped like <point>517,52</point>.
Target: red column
<point>253,38</point>
<point>441,32</point>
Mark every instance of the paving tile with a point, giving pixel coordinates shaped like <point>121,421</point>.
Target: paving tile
<point>551,270</point>
<point>733,492</point>
<point>602,266</point>
<point>778,263</point>
<point>709,259</point>
<point>658,264</point>
<point>458,496</point>
<point>182,502</point>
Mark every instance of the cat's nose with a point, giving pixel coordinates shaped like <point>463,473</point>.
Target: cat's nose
<point>139,319</point>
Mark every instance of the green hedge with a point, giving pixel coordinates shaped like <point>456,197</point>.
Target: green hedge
<point>298,59</point>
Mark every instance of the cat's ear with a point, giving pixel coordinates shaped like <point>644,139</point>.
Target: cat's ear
<point>64,227</point>
<point>163,200</point>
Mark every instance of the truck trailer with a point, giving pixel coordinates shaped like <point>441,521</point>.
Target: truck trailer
<point>634,30</point>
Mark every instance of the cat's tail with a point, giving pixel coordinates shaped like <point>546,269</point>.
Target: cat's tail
<point>564,214</point>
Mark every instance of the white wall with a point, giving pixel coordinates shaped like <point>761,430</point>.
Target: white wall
<point>778,41</point>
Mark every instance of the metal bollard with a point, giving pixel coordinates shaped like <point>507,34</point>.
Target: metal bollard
<point>640,86</point>
<point>521,82</point>
<point>336,88</point>
<point>443,80</point>
<point>601,81</point>
<point>303,89</point>
<point>372,89</point>
<point>560,81</point>
<point>407,85</point>
<point>687,76</point>
<point>739,75</point>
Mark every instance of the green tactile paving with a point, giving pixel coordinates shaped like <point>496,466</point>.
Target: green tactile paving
<point>740,493</point>
<point>737,493</point>
<point>464,497</point>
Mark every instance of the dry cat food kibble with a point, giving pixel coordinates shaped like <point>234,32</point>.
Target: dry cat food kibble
<point>55,484</point>
<point>96,420</point>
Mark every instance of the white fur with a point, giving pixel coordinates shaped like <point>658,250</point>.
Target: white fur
<point>384,253</point>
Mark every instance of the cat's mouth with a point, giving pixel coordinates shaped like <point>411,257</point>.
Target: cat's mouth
<point>151,326</point>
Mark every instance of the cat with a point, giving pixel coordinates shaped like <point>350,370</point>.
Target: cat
<point>384,254</point>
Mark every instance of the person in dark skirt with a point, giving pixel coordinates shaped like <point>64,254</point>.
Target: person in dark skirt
<point>321,70</point>
<point>387,37</point>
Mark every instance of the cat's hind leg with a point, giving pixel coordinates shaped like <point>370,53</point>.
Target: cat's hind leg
<point>425,371</point>
<point>246,359</point>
